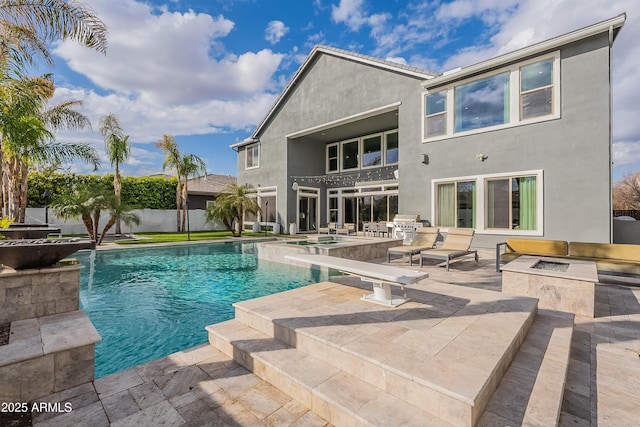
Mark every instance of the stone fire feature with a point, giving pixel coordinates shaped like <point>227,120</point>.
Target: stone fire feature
<point>572,290</point>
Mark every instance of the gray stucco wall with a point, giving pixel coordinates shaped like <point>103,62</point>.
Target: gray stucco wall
<point>572,151</point>
<point>332,89</point>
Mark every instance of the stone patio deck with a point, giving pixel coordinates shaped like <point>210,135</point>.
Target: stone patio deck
<point>202,386</point>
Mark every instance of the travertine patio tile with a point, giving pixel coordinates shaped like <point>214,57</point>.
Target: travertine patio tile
<point>147,394</point>
<point>235,414</point>
<point>260,404</point>
<point>162,412</point>
<point>90,416</point>
<point>199,414</point>
<point>160,367</point>
<point>119,405</point>
<point>237,381</point>
<point>117,382</point>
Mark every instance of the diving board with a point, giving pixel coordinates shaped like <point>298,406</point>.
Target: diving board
<point>381,276</point>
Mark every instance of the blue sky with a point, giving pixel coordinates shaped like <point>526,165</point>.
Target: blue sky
<point>207,71</point>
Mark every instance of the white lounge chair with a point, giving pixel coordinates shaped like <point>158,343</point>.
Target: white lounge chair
<point>425,239</point>
<point>346,229</point>
<point>456,244</point>
<point>381,276</point>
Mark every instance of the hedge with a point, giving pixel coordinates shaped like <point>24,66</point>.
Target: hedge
<point>139,192</point>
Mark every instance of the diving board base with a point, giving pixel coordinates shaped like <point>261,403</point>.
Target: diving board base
<point>382,295</point>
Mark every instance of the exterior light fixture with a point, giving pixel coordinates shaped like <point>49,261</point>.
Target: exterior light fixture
<point>425,159</point>
<point>294,186</point>
<point>482,157</point>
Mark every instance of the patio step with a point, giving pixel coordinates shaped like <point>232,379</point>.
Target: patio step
<point>448,363</point>
<point>47,354</point>
<point>531,392</point>
<point>340,398</point>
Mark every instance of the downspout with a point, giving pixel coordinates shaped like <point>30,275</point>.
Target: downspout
<point>611,39</point>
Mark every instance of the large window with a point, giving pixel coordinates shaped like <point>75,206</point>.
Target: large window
<point>456,202</point>
<point>482,103</point>
<point>368,151</point>
<point>520,93</point>
<point>491,204</point>
<point>252,156</point>
<point>512,203</point>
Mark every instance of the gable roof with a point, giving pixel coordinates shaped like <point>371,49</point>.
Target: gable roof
<point>403,69</point>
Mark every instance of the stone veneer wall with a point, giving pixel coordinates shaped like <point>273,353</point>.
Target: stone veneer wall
<point>25,294</point>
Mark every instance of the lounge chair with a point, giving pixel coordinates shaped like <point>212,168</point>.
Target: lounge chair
<point>456,244</point>
<point>381,276</point>
<point>330,228</point>
<point>346,229</point>
<point>425,239</point>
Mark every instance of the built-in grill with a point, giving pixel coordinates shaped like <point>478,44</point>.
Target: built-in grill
<point>404,227</point>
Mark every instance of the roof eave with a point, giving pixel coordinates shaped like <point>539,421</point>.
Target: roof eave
<point>611,25</point>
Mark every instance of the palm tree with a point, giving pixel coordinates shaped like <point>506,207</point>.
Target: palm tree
<point>28,27</point>
<point>26,138</point>
<point>185,165</point>
<point>118,149</point>
<point>88,202</point>
<point>231,205</point>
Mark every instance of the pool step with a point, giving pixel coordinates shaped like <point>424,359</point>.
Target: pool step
<point>531,392</point>
<point>444,352</point>
<point>335,395</point>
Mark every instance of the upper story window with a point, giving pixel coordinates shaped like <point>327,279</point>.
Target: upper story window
<point>482,103</point>
<point>536,89</point>
<point>368,151</point>
<point>252,153</point>
<point>511,96</point>
<point>391,147</point>
<point>372,151</point>
<point>332,157</point>
<point>350,155</point>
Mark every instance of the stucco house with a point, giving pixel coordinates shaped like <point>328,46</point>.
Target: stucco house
<point>518,145</point>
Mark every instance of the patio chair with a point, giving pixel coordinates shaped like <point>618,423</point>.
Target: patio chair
<point>425,239</point>
<point>330,228</point>
<point>456,244</point>
<point>346,229</point>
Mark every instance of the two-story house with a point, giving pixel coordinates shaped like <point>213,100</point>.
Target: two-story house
<point>518,145</point>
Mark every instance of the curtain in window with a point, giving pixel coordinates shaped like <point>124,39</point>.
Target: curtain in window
<point>528,207</point>
<point>446,205</point>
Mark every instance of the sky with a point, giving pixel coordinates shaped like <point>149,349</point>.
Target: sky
<point>207,71</point>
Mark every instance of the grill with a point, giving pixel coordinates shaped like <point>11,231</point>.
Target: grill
<point>404,227</point>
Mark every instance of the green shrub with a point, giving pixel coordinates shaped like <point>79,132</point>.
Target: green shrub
<point>140,192</point>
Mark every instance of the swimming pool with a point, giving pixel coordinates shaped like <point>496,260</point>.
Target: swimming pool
<point>150,302</point>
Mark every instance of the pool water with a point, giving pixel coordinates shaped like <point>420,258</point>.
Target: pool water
<point>150,302</point>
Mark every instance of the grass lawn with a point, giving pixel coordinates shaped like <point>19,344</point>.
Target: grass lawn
<point>183,237</point>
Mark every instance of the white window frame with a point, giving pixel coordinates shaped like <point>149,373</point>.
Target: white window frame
<point>384,144</point>
<point>255,147</point>
<point>481,196</point>
<point>382,153</point>
<point>360,141</point>
<point>337,145</point>
<point>514,99</point>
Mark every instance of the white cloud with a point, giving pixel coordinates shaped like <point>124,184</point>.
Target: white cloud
<point>626,153</point>
<point>275,31</point>
<point>352,14</point>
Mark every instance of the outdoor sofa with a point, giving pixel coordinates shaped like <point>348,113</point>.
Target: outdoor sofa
<point>617,258</point>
